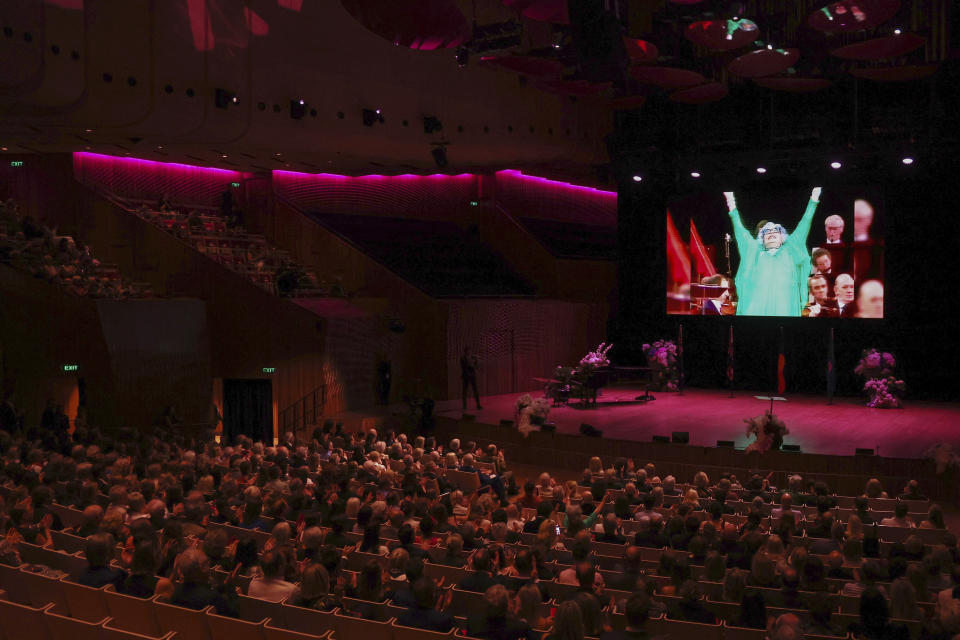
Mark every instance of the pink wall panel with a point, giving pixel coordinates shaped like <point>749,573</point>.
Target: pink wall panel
<point>435,196</point>
<point>148,180</point>
<point>527,196</point>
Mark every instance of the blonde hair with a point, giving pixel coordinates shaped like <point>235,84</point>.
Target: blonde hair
<point>595,465</point>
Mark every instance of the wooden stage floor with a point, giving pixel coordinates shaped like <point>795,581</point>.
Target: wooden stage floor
<point>711,415</point>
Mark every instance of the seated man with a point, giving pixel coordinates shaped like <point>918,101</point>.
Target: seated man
<point>713,306</point>
<point>821,306</point>
<point>271,585</point>
<point>481,579</point>
<point>194,591</point>
<point>496,621</point>
<point>899,518</point>
<point>843,290</point>
<point>422,614</point>
<point>98,549</point>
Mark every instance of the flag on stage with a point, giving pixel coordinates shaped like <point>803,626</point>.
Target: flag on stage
<point>831,369</point>
<point>730,358</point>
<point>699,257</point>
<point>781,364</point>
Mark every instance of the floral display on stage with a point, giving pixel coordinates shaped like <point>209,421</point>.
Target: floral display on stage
<point>595,359</point>
<point>883,388</point>
<point>769,431</point>
<point>662,358</point>
<point>530,413</point>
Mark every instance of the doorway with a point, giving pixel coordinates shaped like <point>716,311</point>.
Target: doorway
<point>248,409</point>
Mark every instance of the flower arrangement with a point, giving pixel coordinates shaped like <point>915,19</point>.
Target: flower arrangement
<point>883,388</point>
<point>874,364</point>
<point>531,413</point>
<point>595,359</point>
<point>769,431</point>
<point>662,358</point>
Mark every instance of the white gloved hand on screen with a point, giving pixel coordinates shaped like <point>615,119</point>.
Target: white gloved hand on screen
<point>815,194</point>
<point>731,200</point>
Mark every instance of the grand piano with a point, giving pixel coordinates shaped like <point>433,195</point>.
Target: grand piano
<point>585,387</point>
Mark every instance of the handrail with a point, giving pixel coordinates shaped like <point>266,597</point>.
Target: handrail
<point>306,411</point>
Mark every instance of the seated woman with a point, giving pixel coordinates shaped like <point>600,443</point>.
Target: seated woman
<point>314,590</point>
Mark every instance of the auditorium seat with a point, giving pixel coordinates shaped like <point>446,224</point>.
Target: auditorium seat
<point>303,620</point>
<point>13,585</point>
<point>272,632</point>
<point>132,614</point>
<point>663,626</point>
<point>42,589</point>
<point>234,628</point>
<point>743,633</point>
<point>84,603</point>
<point>348,627</point>
<point>110,630</point>
<point>61,626</point>
<point>408,633</point>
<point>189,624</point>
<point>15,617</point>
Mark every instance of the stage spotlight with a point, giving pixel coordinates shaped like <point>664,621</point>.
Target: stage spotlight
<point>897,32</point>
<point>694,174</point>
<point>298,109</point>
<point>835,164</point>
<point>432,124</point>
<point>439,156</point>
<point>637,178</point>
<point>463,57</point>
<point>371,117</point>
<point>761,170</point>
<point>907,160</point>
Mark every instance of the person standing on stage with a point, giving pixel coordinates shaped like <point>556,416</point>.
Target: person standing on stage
<point>772,277</point>
<point>468,374</point>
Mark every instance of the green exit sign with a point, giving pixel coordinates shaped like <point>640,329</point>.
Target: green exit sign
<point>235,185</point>
<point>269,369</point>
<point>16,163</point>
<point>71,367</point>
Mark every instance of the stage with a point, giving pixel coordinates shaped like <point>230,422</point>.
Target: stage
<point>711,415</point>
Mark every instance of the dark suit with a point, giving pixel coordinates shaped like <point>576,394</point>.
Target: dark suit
<point>478,581</point>
<point>102,576</point>
<point>650,539</point>
<point>486,628</point>
<point>429,619</point>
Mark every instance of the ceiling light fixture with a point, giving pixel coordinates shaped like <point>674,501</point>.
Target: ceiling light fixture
<point>637,178</point>
<point>836,164</point>
<point>694,174</point>
<point>761,170</point>
<point>907,160</point>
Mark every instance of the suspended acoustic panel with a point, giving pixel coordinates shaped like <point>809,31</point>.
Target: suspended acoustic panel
<point>793,85</point>
<point>853,15</point>
<point>709,92</point>
<point>903,73</point>
<point>417,24</point>
<point>667,77</point>
<point>880,48</point>
<point>722,35</point>
<point>765,62</point>
<point>541,10</point>
<point>641,51</point>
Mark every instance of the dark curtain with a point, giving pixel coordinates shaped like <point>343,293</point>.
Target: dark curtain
<point>248,409</point>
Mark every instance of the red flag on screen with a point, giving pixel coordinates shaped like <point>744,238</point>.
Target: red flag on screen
<point>702,264</point>
<point>781,364</point>
<point>678,260</point>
